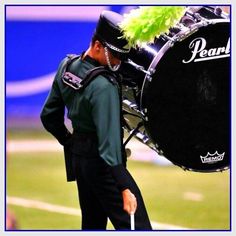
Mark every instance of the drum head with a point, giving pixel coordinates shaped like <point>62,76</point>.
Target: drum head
<point>187,102</point>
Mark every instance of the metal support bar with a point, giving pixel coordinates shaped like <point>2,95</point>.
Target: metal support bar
<point>133,132</point>
<point>138,67</point>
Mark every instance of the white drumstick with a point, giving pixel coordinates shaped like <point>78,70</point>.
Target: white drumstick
<point>132,221</point>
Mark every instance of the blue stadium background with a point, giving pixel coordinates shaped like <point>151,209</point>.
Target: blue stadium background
<point>34,46</point>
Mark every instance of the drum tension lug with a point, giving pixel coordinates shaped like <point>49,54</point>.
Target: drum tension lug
<point>160,152</point>
<point>151,71</point>
<point>144,114</point>
<point>149,78</point>
<point>202,19</point>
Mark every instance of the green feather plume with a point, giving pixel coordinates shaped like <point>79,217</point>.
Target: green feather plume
<point>145,23</point>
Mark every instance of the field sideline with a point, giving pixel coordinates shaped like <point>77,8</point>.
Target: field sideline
<point>177,199</point>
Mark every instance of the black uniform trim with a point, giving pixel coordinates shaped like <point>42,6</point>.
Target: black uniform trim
<point>121,176</point>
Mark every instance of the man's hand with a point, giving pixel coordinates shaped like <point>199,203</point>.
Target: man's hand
<point>129,201</point>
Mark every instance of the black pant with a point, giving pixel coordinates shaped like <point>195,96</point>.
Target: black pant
<point>99,196</point>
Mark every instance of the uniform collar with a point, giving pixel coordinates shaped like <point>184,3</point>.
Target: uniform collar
<point>90,60</point>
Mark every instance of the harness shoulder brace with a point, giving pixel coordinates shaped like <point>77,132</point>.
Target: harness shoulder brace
<point>79,83</point>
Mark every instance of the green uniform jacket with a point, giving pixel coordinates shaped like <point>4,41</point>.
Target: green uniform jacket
<point>96,109</point>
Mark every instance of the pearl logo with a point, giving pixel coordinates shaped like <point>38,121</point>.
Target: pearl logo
<point>200,53</point>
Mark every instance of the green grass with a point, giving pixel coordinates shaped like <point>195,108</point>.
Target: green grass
<point>19,134</point>
<point>41,176</point>
<point>43,220</point>
<point>164,187</point>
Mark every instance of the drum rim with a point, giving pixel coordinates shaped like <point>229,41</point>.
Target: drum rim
<point>223,168</point>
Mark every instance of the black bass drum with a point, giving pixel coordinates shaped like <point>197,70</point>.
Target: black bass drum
<point>185,99</point>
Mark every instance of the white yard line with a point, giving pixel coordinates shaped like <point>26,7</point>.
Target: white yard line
<point>139,151</point>
<point>33,146</point>
<point>29,203</point>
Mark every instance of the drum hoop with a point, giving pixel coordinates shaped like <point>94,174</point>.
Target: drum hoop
<point>170,43</point>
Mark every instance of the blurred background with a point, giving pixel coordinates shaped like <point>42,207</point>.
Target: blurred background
<point>37,38</point>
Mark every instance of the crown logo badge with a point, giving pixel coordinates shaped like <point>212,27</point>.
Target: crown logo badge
<point>212,158</point>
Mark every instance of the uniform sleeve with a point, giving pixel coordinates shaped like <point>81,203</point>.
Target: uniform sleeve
<point>52,114</point>
<point>106,114</point>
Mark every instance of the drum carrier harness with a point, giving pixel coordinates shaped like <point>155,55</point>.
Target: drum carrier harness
<point>79,84</point>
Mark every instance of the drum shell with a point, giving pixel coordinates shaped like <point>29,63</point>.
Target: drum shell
<point>188,105</point>
<point>185,107</point>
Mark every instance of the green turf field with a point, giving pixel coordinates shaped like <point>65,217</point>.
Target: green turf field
<point>187,199</point>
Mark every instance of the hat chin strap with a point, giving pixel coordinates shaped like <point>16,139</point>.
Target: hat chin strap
<point>112,68</point>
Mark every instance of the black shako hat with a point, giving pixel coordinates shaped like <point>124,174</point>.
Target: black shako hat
<point>109,34</point>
